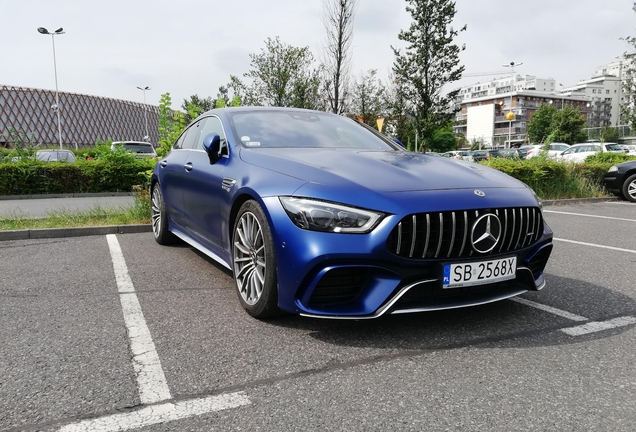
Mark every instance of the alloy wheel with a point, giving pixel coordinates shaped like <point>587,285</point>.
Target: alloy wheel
<point>249,258</point>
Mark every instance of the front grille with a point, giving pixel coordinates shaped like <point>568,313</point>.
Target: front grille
<point>448,234</point>
<point>339,286</point>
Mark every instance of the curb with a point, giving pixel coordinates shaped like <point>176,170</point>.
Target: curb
<point>71,195</point>
<point>578,201</point>
<point>47,233</point>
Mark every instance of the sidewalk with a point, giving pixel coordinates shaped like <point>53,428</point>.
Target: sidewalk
<point>38,206</point>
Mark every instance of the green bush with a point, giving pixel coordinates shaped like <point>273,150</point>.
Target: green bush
<point>556,180</point>
<point>28,177</point>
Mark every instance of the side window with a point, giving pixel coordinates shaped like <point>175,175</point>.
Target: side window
<point>179,144</point>
<point>213,125</point>
<point>192,138</point>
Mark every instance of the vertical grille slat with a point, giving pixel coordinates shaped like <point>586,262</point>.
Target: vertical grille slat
<point>447,234</point>
<point>441,234</point>
<point>414,237</point>
<point>465,233</point>
<point>452,242</point>
<point>428,235</point>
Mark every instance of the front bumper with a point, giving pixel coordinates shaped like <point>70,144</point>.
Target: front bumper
<point>348,276</point>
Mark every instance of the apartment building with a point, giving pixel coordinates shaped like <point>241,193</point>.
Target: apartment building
<point>482,108</point>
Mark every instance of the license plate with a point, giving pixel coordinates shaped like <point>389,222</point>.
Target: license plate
<point>479,273</point>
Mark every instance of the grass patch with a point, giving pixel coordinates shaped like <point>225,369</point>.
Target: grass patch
<point>139,213</point>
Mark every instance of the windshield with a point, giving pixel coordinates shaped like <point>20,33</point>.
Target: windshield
<point>56,155</point>
<point>613,147</point>
<point>267,129</point>
<point>139,148</point>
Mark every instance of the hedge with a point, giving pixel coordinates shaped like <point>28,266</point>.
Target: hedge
<point>35,177</point>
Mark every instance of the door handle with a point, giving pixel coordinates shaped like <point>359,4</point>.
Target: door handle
<point>188,166</point>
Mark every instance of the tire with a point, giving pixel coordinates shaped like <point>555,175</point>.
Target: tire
<point>629,188</point>
<point>159,218</point>
<point>254,262</point>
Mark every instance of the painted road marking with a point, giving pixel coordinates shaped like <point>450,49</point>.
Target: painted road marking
<point>550,309</point>
<point>596,245</point>
<point>587,215</point>
<point>157,414</point>
<point>587,328</point>
<point>595,326</point>
<point>151,380</point>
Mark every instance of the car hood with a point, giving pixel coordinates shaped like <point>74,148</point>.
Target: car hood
<point>381,171</point>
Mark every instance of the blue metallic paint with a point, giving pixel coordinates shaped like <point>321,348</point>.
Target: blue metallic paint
<point>395,182</point>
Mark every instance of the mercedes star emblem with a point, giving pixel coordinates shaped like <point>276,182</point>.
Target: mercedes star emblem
<point>480,193</point>
<point>486,233</point>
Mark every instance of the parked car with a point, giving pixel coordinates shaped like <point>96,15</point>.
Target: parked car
<point>139,148</point>
<point>579,152</point>
<point>630,149</point>
<point>620,179</point>
<point>481,155</point>
<point>459,154</point>
<point>554,150</point>
<point>322,216</point>
<point>52,155</point>
<point>510,153</point>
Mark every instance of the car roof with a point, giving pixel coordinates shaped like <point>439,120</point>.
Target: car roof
<point>132,142</point>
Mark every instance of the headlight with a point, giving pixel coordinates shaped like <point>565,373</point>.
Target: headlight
<point>325,216</point>
<point>613,169</point>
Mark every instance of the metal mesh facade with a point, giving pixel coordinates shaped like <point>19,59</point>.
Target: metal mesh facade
<point>84,118</point>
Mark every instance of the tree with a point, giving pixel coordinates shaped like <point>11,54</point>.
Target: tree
<point>540,125</point>
<point>628,107</point>
<point>283,76</point>
<point>443,140</point>
<point>367,98</point>
<point>567,126</point>
<point>548,125</point>
<point>196,106</point>
<point>171,124</point>
<point>397,108</point>
<point>429,61</point>
<point>609,134</point>
<point>338,18</point>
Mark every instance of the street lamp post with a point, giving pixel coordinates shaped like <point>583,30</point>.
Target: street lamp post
<point>59,31</point>
<point>147,137</point>
<point>562,96</point>
<point>511,115</point>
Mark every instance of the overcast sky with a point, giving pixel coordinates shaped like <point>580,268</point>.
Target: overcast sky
<point>192,46</point>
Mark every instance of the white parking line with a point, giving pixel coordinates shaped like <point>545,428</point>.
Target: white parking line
<point>595,326</point>
<point>550,309</point>
<point>595,245</point>
<point>151,380</point>
<point>587,328</point>
<point>587,215</point>
<point>157,414</point>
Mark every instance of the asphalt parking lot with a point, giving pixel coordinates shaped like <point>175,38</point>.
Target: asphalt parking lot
<point>118,333</point>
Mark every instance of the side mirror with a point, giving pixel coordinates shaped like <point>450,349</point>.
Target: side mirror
<point>212,146</point>
<point>398,142</point>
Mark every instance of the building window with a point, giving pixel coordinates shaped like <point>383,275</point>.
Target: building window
<point>606,91</point>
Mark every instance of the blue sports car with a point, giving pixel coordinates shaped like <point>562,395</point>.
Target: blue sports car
<point>320,215</point>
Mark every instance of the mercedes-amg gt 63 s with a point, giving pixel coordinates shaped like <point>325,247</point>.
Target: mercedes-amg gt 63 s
<point>323,216</point>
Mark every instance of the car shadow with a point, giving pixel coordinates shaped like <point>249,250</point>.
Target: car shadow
<point>504,323</point>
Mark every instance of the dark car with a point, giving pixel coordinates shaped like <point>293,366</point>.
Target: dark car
<point>322,216</point>
<point>510,153</point>
<point>482,155</point>
<point>620,179</point>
